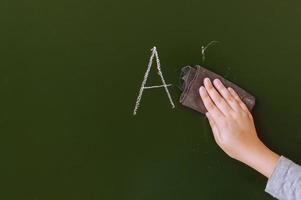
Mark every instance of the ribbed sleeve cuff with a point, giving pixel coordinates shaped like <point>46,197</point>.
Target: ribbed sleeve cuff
<point>276,180</point>
<point>285,181</point>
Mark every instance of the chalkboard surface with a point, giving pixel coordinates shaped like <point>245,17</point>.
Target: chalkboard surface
<point>70,73</point>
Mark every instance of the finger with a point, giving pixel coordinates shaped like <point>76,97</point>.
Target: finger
<point>237,98</point>
<point>214,128</point>
<point>216,97</point>
<point>226,94</point>
<point>209,105</point>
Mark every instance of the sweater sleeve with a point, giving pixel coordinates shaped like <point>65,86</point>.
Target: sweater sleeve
<point>285,181</point>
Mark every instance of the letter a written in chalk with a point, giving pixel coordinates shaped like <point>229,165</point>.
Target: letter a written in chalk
<point>154,55</point>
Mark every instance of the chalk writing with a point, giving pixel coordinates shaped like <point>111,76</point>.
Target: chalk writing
<point>154,54</point>
<point>204,49</point>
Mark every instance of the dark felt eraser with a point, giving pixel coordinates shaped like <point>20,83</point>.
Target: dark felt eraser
<point>192,78</point>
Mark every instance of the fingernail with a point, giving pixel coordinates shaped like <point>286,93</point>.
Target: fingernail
<point>206,80</point>
<point>218,81</point>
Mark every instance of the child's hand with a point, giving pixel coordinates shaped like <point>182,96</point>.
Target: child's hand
<point>231,122</point>
<point>233,127</point>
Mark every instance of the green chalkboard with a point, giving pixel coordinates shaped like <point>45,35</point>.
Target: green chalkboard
<point>70,73</point>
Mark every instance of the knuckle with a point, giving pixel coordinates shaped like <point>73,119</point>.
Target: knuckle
<point>218,99</point>
<point>236,96</point>
<point>210,105</point>
<point>229,98</point>
<point>205,97</point>
<point>236,100</point>
<point>224,91</point>
<point>209,87</point>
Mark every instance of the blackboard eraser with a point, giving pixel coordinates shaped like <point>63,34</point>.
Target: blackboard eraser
<point>192,79</point>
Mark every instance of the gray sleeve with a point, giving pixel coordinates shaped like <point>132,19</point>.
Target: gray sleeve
<point>285,181</point>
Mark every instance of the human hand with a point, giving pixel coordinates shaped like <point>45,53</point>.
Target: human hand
<point>233,127</point>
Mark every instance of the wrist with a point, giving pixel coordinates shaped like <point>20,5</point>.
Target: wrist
<point>262,159</point>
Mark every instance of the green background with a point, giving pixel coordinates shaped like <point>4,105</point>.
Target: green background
<point>70,71</point>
